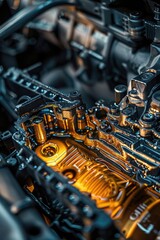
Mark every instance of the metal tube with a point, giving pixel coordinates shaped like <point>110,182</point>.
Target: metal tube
<point>27,14</point>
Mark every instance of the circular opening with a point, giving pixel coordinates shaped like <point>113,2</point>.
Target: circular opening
<point>49,150</point>
<point>70,174</point>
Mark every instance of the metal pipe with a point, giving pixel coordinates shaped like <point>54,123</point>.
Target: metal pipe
<point>27,14</point>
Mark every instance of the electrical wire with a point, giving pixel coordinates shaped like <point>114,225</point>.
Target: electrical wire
<point>27,14</point>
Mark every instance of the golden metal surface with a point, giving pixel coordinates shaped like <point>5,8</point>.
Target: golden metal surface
<point>102,160</point>
<point>52,152</point>
<point>39,129</point>
<point>85,172</point>
<point>126,201</point>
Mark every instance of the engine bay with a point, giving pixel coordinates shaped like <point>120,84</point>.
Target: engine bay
<point>80,120</point>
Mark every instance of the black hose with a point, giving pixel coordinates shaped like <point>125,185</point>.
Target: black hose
<point>27,14</point>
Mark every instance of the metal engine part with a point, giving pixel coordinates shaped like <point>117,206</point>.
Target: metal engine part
<point>110,153</point>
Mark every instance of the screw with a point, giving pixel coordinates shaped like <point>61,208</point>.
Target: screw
<point>12,161</point>
<point>87,211</point>
<point>59,186</point>
<point>148,117</point>
<point>133,93</point>
<point>74,198</point>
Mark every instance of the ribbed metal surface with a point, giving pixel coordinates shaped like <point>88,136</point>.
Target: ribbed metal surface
<point>106,188</point>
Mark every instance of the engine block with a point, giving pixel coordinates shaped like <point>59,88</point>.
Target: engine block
<point>110,153</point>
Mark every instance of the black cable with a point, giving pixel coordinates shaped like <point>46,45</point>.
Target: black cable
<point>27,14</point>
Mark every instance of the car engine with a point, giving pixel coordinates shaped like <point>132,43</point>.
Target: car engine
<point>80,120</point>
